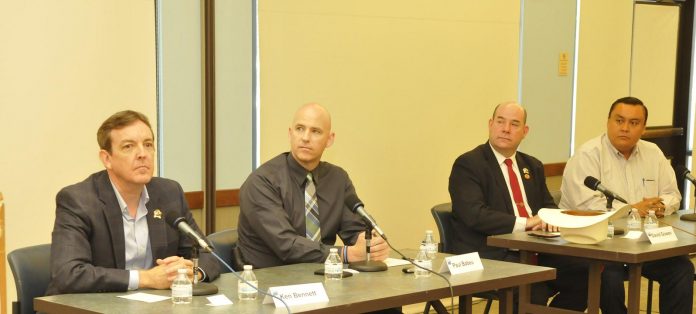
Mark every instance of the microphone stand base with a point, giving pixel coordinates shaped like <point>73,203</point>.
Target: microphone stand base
<point>688,217</point>
<point>204,288</point>
<point>368,266</point>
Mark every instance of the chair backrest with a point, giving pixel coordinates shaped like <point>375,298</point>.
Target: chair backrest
<point>442,214</point>
<point>31,268</point>
<point>225,244</point>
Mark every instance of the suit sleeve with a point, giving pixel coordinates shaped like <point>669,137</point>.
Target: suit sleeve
<point>72,270</point>
<point>471,190</point>
<point>262,206</point>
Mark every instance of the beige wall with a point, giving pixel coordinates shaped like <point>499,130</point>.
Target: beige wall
<point>604,60</point>
<point>64,67</point>
<point>410,87</point>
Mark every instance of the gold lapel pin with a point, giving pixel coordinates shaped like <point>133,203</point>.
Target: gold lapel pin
<point>526,173</point>
<point>157,214</point>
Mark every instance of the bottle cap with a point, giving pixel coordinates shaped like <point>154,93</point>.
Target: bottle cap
<point>247,267</point>
<point>428,231</point>
<point>651,212</point>
<point>333,250</point>
<point>182,271</point>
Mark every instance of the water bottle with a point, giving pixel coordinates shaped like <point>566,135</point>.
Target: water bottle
<point>182,288</point>
<point>424,261</point>
<point>610,230</point>
<point>333,266</point>
<point>430,245</point>
<point>651,220</point>
<point>634,223</point>
<point>245,291</point>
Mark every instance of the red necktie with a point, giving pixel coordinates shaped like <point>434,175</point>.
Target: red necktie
<point>516,192</point>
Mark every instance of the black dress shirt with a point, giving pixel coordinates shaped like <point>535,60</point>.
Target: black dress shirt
<point>272,215</point>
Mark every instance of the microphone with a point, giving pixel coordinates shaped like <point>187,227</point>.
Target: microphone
<point>356,206</point>
<point>685,173</point>
<point>183,226</point>
<point>594,184</point>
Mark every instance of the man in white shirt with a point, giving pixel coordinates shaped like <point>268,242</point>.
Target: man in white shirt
<point>639,172</point>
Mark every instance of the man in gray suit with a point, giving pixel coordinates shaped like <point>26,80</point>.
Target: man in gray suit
<point>110,232</point>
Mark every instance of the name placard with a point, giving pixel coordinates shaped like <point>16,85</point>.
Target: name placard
<point>297,294</point>
<point>461,263</point>
<point>661,235</point>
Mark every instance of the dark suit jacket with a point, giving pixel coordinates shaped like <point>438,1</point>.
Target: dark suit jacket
<point>481,204</point>
<point>88,247</point>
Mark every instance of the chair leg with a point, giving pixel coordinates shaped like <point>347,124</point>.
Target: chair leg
<point>488,306</point>
<point>426,310</point>
<point>648,309</point>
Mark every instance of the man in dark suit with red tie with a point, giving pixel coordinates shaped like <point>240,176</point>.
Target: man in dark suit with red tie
<point>496,190</point>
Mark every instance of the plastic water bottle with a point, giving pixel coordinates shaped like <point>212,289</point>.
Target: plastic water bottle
<point>182,288</point>
<point>423,260</point>
<point>245,291</point>
<point>430,245</point>
<point>333,266</point>
<point>610,230</point>
<point>634,222</point>
<point>651,220</point>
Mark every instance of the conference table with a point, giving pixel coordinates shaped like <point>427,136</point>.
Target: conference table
<point>683,225</point>
<point>359,293</point>
<point>617,249</point>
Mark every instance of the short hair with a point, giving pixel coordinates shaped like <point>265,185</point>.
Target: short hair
<point>632,101</point>
<point>116,121</point>
<point>524,110</point>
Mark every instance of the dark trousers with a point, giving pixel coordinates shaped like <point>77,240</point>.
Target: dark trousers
<point>676,278</point>
<point>569,289</point>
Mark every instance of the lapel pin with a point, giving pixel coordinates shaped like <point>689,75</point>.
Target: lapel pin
<point>526,173</point>
<point>157,214</point>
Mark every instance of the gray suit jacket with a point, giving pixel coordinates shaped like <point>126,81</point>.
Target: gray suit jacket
<point>88,246</point>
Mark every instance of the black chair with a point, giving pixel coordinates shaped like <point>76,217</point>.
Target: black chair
<point>31,268</point>
<point>442,214</point>
<point>225,244</point>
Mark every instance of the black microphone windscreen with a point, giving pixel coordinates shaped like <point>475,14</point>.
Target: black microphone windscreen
<point>352,201</point>
<point>681,171</point>
<point>591,182</point>
<point>172,218</point>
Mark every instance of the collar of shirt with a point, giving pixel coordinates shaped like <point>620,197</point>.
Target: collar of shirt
<point>299,173</point>
<point>607,144</point>
<point>142,209</point>
<point>501,159</point>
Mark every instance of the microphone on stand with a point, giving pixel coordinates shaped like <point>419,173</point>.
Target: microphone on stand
<point>356,206</point>
<point>594,184</point>
<point>684,173</point>
<point>199,288</point>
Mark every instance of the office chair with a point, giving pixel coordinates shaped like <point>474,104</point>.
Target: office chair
<point>442,214</point>
<point>225,244</point>
<point>31,268</point>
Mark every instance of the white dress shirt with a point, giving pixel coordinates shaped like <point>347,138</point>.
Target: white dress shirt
<point>520,222</point>
<point>137,237</point>
<point>646,173</point>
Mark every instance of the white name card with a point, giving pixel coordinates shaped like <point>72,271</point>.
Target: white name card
<point>297,294</point>
<point>661,235</point>
<point>461,263</point>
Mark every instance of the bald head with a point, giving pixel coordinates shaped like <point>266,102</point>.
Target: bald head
<point>507,127</point>
<point>309,134</point>
<point>316,111</point>
<point>511,104</point>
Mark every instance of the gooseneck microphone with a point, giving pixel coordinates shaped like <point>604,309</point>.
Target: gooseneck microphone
<point>684,173</point>
<point>594,184</point>
<point>357,207</point>
<point>181,224</point>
